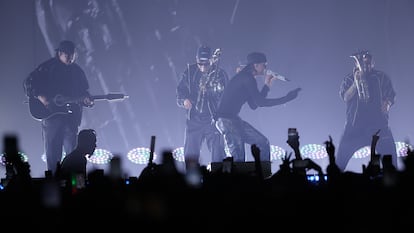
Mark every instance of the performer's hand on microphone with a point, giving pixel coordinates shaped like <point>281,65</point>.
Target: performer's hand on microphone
<point>269,79</point>
<point>276,75</point>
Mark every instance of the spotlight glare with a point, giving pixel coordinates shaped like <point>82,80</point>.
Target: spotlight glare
<point>178,154</point>
<point>362,152</point>
<point>313,151</point>
<point>100,156</point>
<point>140,155</point>
<point>22,155</point>
<point>276,152</point>
<point>43,156</point>
<point>402,148</point>
<point>227,151</point>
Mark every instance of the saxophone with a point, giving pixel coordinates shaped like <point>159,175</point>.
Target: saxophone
<point>202,92</point>
<point>360,82</point>
<point>207,79</point>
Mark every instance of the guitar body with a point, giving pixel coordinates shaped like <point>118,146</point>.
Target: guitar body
<point>41,112</point>
<point>61,105</point>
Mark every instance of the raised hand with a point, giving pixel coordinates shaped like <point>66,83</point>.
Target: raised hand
<point>375,137</point>
<point>330,149</point>
<point>255,152</point>
<point>332,169</point>
<point>285,166</point>
<point>374,142</point>
<point>293,141</point>
<point>286,158</point>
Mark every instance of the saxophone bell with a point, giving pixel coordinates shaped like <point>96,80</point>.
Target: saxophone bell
<point>359,79</point>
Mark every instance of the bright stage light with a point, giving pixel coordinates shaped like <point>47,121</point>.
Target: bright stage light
<point>178,154</point>
<point>100,156</point>
<point>22,155</point>
<point>276,153</point>
<point>362,152</point>
<point>402,148</point>
<point>227,151</point>
<point>313,151</point>
<point>44,157</point>
<point>140,155</point>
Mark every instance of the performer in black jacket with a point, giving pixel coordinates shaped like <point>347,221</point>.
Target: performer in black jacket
<point>368,94</point>
<point>242,89</point>
<point>199,92</point>
<point>58,91</point>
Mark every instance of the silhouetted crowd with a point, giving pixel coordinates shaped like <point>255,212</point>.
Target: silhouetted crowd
<point>379,198</point>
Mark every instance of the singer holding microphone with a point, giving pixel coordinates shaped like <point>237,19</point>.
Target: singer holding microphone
<point>242,89</point>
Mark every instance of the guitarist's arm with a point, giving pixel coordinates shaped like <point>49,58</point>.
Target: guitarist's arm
<point>86,99</point>
<point>43,99</point>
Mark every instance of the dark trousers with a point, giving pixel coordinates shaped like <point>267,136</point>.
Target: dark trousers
<point>355,138</point>
<point>59,136</point>
<point>237,132</point>
<point>198,131</point>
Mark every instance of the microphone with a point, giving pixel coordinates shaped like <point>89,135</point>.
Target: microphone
<point>276,75</point>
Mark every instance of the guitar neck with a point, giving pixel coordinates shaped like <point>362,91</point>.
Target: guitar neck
<point>61,100</point>
<point>99,97</point>
<point>111,96</point>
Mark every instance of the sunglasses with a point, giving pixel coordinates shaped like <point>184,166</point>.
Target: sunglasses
<point>203,63</point>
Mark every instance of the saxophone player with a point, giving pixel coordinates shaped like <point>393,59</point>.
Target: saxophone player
<point>199,91</point>
<point>368,94</point>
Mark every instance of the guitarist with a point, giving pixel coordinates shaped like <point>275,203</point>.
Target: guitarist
<point>59,76</point>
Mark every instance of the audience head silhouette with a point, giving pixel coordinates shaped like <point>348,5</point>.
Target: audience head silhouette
<point>87,140</point>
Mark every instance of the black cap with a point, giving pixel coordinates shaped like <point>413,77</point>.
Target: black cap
<point>256,57</point>
<point>362,54</point>
<point>203,54</point>
<point>86,137</point>
<point>66,46</point>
